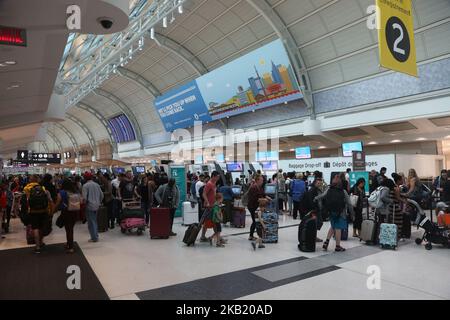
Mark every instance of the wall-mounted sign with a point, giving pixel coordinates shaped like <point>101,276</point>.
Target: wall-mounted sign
<point>359,161</point>
<point>257,80</point>
<point>13,36</point>
<point>67,155</point>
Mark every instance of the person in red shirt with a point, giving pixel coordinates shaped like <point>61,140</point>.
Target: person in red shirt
<point>209,197</point>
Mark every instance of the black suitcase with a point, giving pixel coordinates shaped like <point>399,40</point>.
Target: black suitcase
<point>406,227</point>
<point>191,234</point>
<point>307,234</point>
<point>102,219</point>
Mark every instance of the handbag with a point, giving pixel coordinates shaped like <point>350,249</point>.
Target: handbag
<point>60,221</point>
<point>354,200</point>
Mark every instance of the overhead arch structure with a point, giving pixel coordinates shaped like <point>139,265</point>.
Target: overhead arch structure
<point>281,29</point>
<point>125,109</point>
<point>45,146</point>
<point>182,52</point>
<point>56,140</point>
<point>86,130</point>
<point>140,80</point>
<point>102,120</point>
<point>69,135</point>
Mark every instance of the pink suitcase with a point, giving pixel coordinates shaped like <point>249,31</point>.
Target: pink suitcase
<point>133,223</point>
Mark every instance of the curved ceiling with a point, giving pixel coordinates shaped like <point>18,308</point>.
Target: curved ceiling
<point>330,37</point>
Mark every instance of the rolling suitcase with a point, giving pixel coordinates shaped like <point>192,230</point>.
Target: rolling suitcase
<point>102,219</point>
<point>160,223</point>
<point>406,227</point>
<point>238,218</point>
<point>191,234</point>
<point>368,228</point>
<point>388,235</point>
<point>271,221</point>
<point>307,234</point>
<point>190,213</point>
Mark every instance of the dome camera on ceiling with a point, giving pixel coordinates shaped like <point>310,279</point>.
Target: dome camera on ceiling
<point>106,23</point>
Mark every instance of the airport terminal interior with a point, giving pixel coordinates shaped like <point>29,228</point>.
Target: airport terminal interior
<point>310,139</point>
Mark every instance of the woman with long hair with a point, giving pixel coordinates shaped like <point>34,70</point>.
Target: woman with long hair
<point>358,190</point>
<point>69,216</point>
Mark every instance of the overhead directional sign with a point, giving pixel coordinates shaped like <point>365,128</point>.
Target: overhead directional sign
<point>46,158</point>
<point>22,155</point>
<point>396,36</point>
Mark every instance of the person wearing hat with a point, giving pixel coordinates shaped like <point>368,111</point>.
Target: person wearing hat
<point>93,197</point>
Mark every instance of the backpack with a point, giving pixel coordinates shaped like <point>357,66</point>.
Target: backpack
<point>74,202</point>
<point>375,198</point>
<point>298,189</point>
<point>335,200</point>
<point>38,200</point>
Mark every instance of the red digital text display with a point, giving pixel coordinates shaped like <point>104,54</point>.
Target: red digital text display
<point>13,36</point>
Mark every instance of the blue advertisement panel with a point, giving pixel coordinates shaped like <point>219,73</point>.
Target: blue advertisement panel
<point>179,174</point>
<point>257,80</point>
<point>181,107</point>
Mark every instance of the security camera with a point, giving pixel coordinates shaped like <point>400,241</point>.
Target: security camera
<point>106,23</point>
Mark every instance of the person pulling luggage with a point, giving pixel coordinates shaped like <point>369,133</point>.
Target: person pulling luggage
<point>168,196</point>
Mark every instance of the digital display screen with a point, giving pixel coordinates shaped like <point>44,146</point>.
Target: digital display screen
<point>198,160</point>
<point>270,189</point>
<point>138,170</point>
<point>122,129</point>
<point>267,156</point>
<point>119,170</point>
<point>269,166</point>
<point>349,147</point>
<point>13,36</point>
<point>235,167</point>
<point>303,153</point>
<point>237,190</point>
<point>220,158</point>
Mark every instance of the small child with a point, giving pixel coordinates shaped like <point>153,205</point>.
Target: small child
<point>260,226</point>
<point>217,218</point>
<point>442,213</point>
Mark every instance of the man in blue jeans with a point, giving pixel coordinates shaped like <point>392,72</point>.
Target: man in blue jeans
<point>93,197</point>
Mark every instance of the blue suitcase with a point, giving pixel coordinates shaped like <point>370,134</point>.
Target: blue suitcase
<point>271,221</point>
<point>388,235</point>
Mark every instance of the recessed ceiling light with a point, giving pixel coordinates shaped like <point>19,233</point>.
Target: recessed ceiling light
<point>10,63</point>
<point>396,141</point>
<point>421,139</point>
<point>281,151</point>
<point>372,143</point>
<point>292,150</point>
<point>322,147</point>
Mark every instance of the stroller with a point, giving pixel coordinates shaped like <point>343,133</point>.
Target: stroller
<point>433,233</point>
<point>132,217</point>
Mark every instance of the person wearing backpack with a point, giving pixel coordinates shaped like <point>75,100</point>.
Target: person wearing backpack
<point>281,191</point>
<point>35,203</point>
<point>69,202</point>
<point>297,191</point>
<point>337,202</point>
<point>168,196</point>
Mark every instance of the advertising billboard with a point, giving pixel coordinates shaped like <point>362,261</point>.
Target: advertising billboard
<point>257,80</point>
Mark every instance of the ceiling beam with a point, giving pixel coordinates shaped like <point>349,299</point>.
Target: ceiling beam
<point>86,130</point>
<point>125,109</point>
<point>56,140</point>
<point>69,135</point>
<point>102,120</point>
<point>139,80</point>
<point>182,52</point>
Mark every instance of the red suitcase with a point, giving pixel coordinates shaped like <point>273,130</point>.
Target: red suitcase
<point>160,223</point>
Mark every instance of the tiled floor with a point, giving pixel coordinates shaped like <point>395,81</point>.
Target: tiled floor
<point>129,266</point>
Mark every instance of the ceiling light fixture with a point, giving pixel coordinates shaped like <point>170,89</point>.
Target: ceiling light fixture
<point>180,9</point>
<point>421,139</point>
<point>372,143</point>
<point>322,147</point>
<point>396,141</point>
<point>165,22</point>
<point>292,150</point>
<point>152,33</point>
